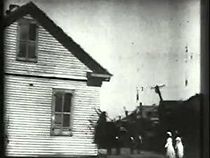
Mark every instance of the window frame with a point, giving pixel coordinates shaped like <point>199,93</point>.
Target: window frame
<point>64,131</point>
<point>27,41</point>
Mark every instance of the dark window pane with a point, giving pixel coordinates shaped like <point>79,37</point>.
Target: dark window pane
<point>58,119</point>
<point>67,103</point>
<point>32,32</point>
<point>66,120</point>
<point>31,50</point>
<point>23,31</point>
<point>58,102</point>
<point>22,49</point>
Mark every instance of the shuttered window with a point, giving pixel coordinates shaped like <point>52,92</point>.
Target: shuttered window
<point>27,40</point>
<point>61,113</point>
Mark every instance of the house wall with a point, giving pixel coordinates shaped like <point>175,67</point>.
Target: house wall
<point>28,112</point>
<point>53,58</point>
<point>28,107</point>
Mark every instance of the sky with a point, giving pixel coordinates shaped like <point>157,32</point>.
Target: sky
<point>143,43</point>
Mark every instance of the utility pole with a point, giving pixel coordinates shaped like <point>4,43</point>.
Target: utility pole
<point>157,90</point>
<point>139,103</point>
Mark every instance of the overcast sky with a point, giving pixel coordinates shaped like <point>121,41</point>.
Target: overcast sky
<point>141,42</point>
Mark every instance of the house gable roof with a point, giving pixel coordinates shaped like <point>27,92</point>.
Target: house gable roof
<point>58,33</point>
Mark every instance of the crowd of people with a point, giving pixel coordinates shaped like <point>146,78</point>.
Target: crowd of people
<point>174,149</point>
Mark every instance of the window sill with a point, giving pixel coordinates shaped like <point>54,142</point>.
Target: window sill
<point>62,133</point>
<point>26,60</point>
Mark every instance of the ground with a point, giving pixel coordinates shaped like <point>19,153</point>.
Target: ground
<point>144,154</point>
<point>125,153</point>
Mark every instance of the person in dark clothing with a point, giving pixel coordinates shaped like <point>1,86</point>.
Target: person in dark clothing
<point>132,144</point>
<point>117,138</point>
<point>100,135</point>
<point>139,144</point>
<point>102,117</point>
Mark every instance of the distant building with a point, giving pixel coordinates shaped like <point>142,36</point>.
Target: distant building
<point>186,118</point>
<point>51,88</point>
<point>149,112</point>
<point>181,114</point>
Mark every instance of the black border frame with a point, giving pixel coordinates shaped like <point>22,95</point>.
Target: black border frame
<point>204,79</point>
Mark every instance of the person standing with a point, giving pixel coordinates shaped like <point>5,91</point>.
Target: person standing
<point>139,144</point>
<point>132,144</point>
<point>170,153</point>
<point>179,148</point>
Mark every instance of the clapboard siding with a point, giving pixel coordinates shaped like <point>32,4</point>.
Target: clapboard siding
<point>53,58</point>
<point>28,111</point>
<point>28,99</point>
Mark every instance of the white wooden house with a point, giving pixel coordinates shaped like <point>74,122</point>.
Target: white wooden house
<point>51,88</point>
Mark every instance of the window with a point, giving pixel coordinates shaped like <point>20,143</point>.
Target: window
<point>61,114</point>
<point>27,40</point>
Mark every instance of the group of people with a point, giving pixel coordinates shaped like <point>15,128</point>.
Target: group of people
<point>174,149</point>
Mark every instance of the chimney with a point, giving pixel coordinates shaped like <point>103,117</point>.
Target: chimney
<point>12,7</point>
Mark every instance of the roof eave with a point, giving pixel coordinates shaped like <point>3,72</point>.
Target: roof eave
<point>66,41</point>
<point>100,76</point>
